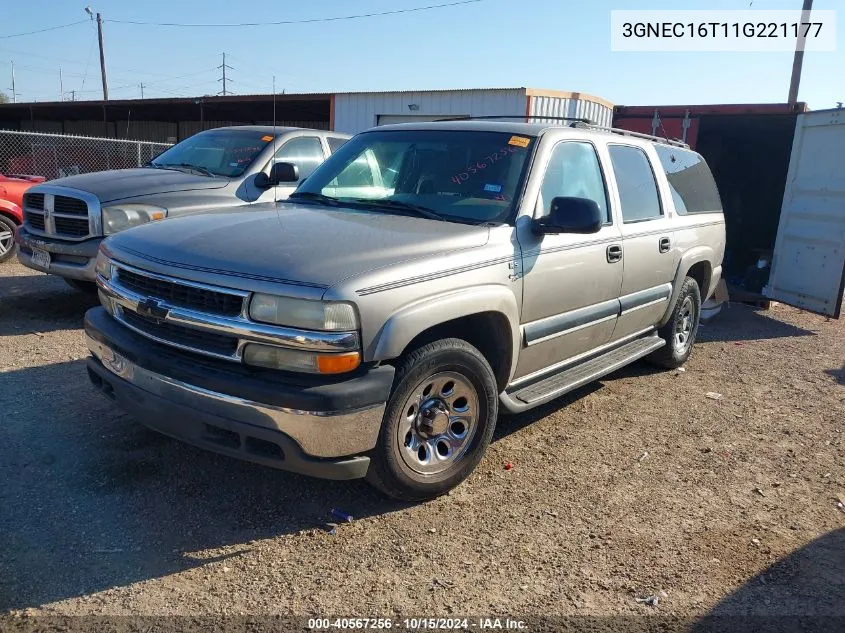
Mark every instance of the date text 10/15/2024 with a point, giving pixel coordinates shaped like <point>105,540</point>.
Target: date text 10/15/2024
<point>418,624</point>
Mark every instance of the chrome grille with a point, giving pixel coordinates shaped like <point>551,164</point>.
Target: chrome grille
<point>184,296</point>
<point>34,201</point>
<point>54,213</point>
<point>181,336</point>
<point>69,206</point>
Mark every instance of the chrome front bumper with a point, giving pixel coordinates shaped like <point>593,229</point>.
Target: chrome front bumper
<point>321,434</point>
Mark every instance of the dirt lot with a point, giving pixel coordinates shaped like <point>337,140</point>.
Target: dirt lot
<point>639,485</point>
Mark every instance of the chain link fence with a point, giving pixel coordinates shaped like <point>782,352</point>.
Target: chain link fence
<point>59,155</point>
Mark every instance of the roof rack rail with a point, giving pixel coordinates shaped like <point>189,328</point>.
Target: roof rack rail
<point>522,117</point>
<point>621,132</point>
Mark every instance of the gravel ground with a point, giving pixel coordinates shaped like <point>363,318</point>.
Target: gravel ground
<point>638,485</point>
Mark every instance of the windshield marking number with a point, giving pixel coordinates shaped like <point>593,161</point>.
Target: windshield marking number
<point>463,176</point>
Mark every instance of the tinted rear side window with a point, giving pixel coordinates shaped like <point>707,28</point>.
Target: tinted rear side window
<point>690,179</point>
<point>637,187</point>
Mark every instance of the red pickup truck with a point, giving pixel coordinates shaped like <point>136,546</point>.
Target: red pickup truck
<point>12,187</point>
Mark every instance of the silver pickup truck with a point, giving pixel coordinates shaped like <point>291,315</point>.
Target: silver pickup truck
<point>66,219</point>
<point>423,279</point>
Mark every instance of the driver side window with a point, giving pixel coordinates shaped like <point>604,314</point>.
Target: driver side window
<point>574,171</point>
<point>306,152</point>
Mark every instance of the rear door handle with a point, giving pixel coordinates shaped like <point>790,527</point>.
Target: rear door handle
<point>665,244</point>
<point>614,253</point>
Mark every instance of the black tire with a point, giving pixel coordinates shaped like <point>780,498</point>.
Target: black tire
<point>676,351</point>
<point>389,469</point>
<point>88,287</point>
<point>7,238</point>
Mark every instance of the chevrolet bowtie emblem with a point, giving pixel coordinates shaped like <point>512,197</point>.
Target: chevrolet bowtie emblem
<point>151,308</point>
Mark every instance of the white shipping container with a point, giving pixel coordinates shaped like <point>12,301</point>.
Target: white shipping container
<point>808,265</point>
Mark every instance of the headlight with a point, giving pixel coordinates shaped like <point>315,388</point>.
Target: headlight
<point>303,313</point>
<point>124,216</point>
<point>103,265</point>
<point>299,361</point>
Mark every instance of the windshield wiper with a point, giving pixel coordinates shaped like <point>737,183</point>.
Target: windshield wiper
<point>398,205</point>
<point>196,168</point>
<point>316,197</point>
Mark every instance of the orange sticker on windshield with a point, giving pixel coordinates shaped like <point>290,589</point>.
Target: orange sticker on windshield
<point>267,138</point>
<point>519,141</point>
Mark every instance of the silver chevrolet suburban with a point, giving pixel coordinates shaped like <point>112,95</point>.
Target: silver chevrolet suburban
<point>65,219</point>
<point>423,279</point>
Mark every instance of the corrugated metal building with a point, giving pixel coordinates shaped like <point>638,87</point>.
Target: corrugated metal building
<point>357,111</point>
<point>171,120</point>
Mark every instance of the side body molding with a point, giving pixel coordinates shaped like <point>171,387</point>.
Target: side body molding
<point>409,321</point>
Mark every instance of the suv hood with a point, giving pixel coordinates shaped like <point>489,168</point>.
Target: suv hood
<point>294,244</point>
<point>120,184</point>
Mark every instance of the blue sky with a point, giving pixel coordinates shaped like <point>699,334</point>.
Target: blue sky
<point>555,44</point>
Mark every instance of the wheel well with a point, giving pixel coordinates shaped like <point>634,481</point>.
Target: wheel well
<point>488,332</point>
<point>701,273</point>
<point>9,216</point>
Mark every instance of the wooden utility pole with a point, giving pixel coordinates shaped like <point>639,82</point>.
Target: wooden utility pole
<point>142,90</point>
<point>102,57</point>
<point>61,86</point>
<point>798,61</point>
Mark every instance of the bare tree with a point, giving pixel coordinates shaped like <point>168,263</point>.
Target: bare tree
<point>4,98</point>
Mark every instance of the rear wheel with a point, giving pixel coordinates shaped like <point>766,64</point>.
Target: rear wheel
<point>7,238</point>
<point>88,287</point>
<point>438,422</point>
<point>681,329</point>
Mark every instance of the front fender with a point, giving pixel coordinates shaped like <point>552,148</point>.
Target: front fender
<point>406,323</point>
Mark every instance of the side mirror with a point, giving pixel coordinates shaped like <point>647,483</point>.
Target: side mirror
<point>570,215</point>
<point>280,173</point>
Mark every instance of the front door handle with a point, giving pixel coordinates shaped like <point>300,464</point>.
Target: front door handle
<point>614,253</point>
<point>665,244</point>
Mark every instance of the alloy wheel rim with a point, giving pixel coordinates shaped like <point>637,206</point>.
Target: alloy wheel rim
<point>5,240</point>
<point>439,420</point>
<point>684,326</point>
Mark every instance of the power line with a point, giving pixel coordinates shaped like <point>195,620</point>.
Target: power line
<point>49,28</point>
<point>306,21</point>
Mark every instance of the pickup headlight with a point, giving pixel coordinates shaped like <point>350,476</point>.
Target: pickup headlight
<point>120,217</point>
<point>303,313</point>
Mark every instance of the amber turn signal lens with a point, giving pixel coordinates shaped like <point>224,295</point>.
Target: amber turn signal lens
<point>338,363</point>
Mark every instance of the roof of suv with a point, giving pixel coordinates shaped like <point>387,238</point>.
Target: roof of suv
<point>516,127</point>
<point>268,129</point>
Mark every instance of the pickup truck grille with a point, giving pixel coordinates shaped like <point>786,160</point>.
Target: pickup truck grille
<point>34,201</point>
<point>178,335</point>
<point>70,206</point>
<point>35,221</point>
<point>201,299</point>
<point>54,215</point>
<point>78,227</point>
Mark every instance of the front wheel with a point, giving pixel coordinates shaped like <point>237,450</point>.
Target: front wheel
<point>438,422</point>
<point>7,238</point>
<point>679,333</point>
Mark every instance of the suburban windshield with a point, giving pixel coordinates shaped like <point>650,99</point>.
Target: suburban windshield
<point>462,176</point>
<point>215,152</point>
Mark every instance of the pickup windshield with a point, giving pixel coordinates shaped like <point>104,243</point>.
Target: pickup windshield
<point>227,153</point>
<point>454,175</point>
